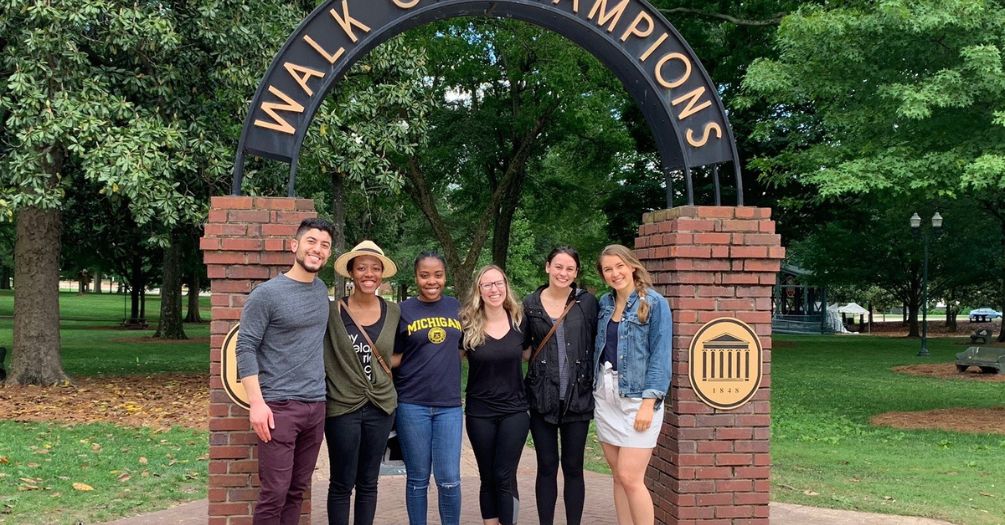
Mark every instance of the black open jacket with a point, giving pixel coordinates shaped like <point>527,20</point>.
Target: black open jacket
<point>542,381</point>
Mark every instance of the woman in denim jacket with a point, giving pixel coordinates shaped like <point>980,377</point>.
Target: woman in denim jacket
<point>632,376</point>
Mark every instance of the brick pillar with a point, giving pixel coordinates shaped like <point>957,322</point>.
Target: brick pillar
<point>246,242</point>
<point>711,465</point>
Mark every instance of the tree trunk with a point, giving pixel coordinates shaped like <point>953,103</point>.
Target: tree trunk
<point>137,282</point>
<point>35,359</point>
<point>504,220</point>
<point>97,282</point>
<point>170,324</point>
<point>913,324</point>
<point>338,216</point>
<point>194,315</point>
<point>951,312</point>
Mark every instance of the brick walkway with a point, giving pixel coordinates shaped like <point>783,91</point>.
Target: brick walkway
<point>599,506</point>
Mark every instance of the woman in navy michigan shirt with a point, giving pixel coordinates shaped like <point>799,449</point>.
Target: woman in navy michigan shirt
<point>631,379</point>
<point>428,379</point>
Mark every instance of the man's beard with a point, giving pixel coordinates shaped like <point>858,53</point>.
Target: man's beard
<point>302,262</point>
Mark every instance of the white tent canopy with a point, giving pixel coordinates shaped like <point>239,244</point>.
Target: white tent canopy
<point>853,309</point>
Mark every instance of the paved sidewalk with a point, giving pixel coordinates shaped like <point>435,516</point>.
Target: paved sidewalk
<point>599,509</point>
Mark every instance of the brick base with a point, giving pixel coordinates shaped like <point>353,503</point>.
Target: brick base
<point>712,466</point>
<point>246,242</point>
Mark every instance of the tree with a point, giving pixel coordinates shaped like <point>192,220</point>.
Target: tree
<point>507,93</point>
<point>872,245</point>
<point>898,97</point>
<point>66,115</point>
<point>378,111</point>
<point>85,94</point>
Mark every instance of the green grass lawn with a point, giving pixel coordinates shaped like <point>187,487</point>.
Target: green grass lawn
<point>129,469</point>
<point>825,452</point>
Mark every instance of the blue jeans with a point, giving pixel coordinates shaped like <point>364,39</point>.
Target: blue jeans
<point>430,439</point>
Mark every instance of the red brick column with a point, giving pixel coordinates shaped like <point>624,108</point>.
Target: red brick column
<point>712,466</point>
<point>246,242</point>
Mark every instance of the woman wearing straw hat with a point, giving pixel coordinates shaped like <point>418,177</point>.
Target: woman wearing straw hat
<point>360,392</point>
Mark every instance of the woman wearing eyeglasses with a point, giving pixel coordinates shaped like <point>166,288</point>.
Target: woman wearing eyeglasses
<point>632,376</point>
<point>562,325</point>
<point>496,406</point>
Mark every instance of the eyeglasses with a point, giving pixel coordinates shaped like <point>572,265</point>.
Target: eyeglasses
<point>496,284</point>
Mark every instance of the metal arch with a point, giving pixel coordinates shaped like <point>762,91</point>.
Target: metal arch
<point>655,103</point>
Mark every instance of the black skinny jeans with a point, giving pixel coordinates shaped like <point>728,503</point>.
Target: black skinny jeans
<point>356,443</point>
<point>546,444</point>
<point>498,443</point>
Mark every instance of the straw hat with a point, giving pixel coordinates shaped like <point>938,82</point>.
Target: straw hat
<point>365,248</point>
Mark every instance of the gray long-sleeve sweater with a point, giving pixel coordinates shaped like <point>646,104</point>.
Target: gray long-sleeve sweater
<point>282,339</point>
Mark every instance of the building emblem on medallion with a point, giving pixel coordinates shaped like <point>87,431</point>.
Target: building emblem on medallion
<point>228,369</point>
<point>725,363</point>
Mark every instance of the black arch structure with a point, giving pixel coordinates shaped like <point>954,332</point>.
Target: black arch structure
<point>630,37</point>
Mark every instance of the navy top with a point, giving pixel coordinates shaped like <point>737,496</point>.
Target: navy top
<point>611,346</point>
<point>359,344</point>
<point>429,335</point>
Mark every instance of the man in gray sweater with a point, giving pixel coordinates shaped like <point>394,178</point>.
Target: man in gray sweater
<point>280,362</point>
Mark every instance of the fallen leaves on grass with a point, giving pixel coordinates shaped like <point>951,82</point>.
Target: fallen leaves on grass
<point>158,401</point>
<point>82,487</point>
<point>948,371</point>
<point>969,420</point>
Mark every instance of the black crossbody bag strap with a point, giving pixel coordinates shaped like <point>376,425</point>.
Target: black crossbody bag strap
<point>366,336</point>
<point>554,327</point>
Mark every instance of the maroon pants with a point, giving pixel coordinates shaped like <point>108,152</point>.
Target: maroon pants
<point>286,463</point>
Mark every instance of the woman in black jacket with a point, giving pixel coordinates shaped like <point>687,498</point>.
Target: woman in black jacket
<point>559,382</point>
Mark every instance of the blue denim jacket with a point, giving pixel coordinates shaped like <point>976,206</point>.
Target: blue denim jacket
<point>643,348</point>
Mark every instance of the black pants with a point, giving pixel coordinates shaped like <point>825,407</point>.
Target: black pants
<point>546,444</point>
<point>498,443</point>
<point>356,443</point>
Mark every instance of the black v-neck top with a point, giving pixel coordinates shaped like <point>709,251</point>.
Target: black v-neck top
<point>495,375</point>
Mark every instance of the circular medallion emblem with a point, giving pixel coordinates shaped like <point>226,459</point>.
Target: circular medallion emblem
<point>437,335</point>
<point>228,370</point>
<point>725,363</point>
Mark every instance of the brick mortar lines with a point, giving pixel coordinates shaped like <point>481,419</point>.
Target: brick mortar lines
<point>710,267</point>
<point>245,243</point>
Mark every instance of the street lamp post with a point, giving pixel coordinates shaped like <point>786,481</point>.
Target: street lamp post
<point>916,228</point>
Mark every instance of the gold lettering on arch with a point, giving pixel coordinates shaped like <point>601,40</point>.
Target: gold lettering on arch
<point>659,41</point>
<point>347,22</point>
<point>270,108</point>
<point>301,75</point>
<point>712,127</point>
<point>683,78</point>
<point>600,6</point>
<point>633,29</point>
<point>330,57</point>
<point>692,97</point>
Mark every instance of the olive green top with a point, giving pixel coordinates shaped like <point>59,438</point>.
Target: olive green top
<point>346,383</point>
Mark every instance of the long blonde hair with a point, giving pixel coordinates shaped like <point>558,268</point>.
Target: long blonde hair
<point>473,310</point>
<point>643,281</point>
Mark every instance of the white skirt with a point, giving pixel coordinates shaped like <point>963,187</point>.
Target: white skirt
<point>615,415</point>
